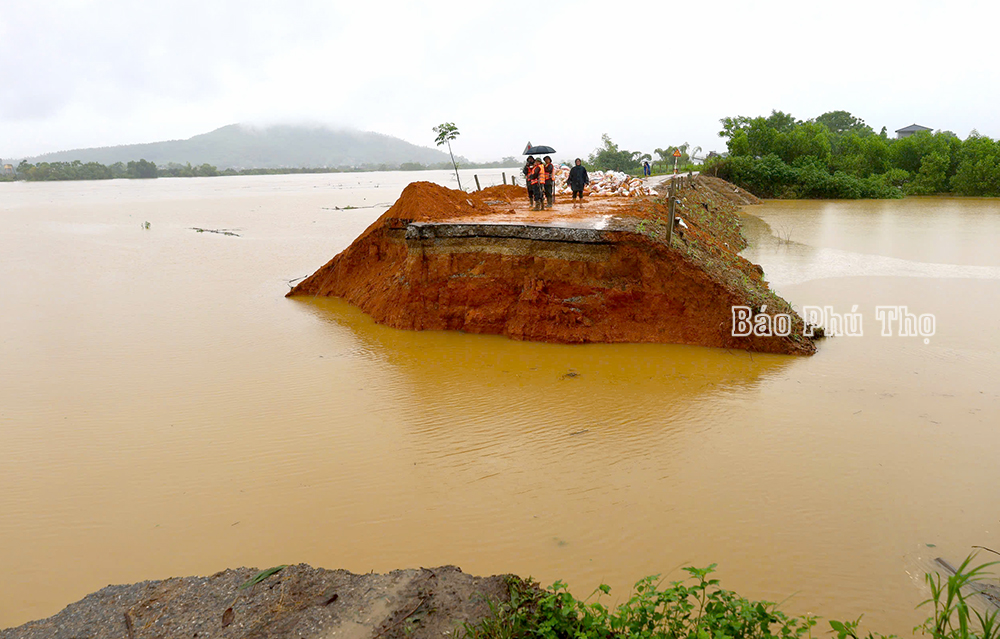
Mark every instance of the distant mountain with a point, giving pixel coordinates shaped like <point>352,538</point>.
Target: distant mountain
<point>244,147</point>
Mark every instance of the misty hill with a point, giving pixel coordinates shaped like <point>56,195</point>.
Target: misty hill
<point>280,146</point>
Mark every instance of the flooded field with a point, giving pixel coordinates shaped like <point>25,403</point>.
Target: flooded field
<point>165,411</point>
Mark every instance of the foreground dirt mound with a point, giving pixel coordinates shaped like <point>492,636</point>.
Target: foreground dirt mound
<point>299,601</point>
<point>507,192</point>
<point>428,202</point>
<point>441,259</point>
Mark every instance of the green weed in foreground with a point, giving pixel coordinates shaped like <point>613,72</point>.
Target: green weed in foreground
<point>699,611</point>
<point>954,617</point>
<point>261,576</point>
<point>703,610</point>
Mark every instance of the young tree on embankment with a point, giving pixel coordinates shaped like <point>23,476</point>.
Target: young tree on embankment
<point>445,134</point>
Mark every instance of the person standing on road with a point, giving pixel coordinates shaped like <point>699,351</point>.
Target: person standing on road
<point>528,165</point>
<point>578,180</point>
<point>550,182</point>
<point>536,179</point>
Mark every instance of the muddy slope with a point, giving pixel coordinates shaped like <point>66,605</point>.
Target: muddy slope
<point>299,601</point>
<point>441,259</point>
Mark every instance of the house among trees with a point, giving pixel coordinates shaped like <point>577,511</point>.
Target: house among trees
<point>907,131</point>
<point>8,169</point>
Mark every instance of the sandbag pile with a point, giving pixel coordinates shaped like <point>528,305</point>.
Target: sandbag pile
<point>604,184</point>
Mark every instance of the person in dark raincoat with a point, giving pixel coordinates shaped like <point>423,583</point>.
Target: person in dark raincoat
<point>550,182</point>
<point>578,180</point>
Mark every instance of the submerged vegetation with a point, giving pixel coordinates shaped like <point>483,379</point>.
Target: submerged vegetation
<point>704,610</point>
<point>837,155</point>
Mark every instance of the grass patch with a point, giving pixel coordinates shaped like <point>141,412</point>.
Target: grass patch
<point>261,576</point>
<point>712,240</point>
<point>700,610</point>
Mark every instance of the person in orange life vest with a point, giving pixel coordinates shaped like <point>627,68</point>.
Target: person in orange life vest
<point>536,178</point>
<point>527,178</point>
<point>550,181</point>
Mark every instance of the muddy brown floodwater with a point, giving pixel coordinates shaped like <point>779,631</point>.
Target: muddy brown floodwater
<point>165,411</point>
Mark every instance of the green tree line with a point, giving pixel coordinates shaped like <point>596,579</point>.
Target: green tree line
<point>77,170</point>
<point>837,155</point>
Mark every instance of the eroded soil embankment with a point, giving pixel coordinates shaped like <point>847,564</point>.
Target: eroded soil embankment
<point>618,284</point>
<point>297,602</point>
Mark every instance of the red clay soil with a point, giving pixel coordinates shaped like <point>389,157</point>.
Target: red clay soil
<point>507,192</point>
<point>627,288</point>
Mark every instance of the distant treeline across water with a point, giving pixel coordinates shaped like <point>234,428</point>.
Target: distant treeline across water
<point>142,169</point>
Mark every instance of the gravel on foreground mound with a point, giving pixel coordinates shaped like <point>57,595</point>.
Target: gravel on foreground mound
<point>297,601</point>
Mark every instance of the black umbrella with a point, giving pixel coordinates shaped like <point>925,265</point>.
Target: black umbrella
<point>537,150</point>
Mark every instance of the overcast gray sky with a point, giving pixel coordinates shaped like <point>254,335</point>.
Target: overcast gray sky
<point>77,74</point>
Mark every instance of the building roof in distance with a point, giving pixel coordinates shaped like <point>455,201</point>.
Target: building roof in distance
<point>913,128</point>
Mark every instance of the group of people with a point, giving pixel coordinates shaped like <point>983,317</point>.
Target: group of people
<point>539,175</point>
<point>540,178</point>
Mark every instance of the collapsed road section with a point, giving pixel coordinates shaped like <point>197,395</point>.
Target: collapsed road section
<point>441,259</point>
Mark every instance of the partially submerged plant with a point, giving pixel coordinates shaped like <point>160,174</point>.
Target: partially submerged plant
<point>954,617</point>
<point>447,132</point>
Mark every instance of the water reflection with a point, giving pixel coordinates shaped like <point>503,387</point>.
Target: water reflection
<point>458,382</point>
<point>580,462</point>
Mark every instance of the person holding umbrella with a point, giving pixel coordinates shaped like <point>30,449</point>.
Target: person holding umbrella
<point>529,169</point>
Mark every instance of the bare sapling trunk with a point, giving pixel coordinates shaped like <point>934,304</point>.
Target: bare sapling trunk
<point>456,167</point>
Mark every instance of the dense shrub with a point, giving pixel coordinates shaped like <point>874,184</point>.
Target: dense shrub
<point>839,156</point>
